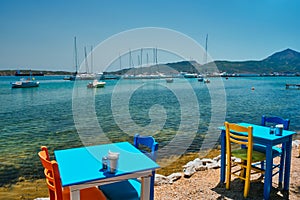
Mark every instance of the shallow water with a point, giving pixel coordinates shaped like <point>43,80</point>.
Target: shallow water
<point>183,116</point>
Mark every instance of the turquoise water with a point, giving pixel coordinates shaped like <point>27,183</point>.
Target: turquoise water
<point>180,115</point>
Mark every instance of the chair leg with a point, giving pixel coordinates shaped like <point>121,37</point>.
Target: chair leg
<point>281,167</point>
<point>247,181</point>
<point>262,165</point>
<point>152,186</point>
<point>228,173</point>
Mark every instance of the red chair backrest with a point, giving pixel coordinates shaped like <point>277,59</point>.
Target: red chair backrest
<point>52,175</point>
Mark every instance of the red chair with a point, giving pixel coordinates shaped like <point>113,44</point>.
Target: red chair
<point>56,191</point>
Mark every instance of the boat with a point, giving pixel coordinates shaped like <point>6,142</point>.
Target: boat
<point>109,76</point>
<point>200,78</point>
<point>70,78</point>
<point>292,86</point>
<point>25,83</point>
<point>96,84</point>
<point>190,75</point>
<point>87,75</point>
<point>206,80</point>
<point>169,80</point>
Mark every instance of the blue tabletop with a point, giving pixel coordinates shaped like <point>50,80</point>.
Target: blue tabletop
<point>79,165</point>
<point>263,132</point>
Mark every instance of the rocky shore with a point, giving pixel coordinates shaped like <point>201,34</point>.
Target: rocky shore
<point>205,184</point>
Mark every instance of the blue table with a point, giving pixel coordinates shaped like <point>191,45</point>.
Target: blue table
<point>261,135</point>
<point>82,167</point>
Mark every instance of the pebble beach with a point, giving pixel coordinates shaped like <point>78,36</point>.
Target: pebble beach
<point>205,185</point>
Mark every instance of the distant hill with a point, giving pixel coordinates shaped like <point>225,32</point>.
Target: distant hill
<point>286,61</point>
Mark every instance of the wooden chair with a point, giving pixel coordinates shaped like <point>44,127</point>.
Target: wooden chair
<point>130,189</point>
<point>277,151</point>
<point>56,191</point>
<point>237,134</point>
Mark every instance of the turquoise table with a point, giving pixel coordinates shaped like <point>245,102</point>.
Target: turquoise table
<point>261,135</point>
<point>82,167</point>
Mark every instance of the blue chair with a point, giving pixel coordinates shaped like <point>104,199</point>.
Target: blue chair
<point>277,151</point>
<point>130,189</point>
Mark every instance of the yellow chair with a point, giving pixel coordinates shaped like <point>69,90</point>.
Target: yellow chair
<point>56,191</point>
<point>236,134</point>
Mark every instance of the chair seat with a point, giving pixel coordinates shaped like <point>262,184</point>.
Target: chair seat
<point>276,151</point>
<point>242,154</point>
<point>128,189</point>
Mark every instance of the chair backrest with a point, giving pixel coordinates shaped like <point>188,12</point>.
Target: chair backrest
<point>52,175</point>
<point>151,149</point>
<point>275,120</point>
<point>239,135</point>
<point>149,142</point>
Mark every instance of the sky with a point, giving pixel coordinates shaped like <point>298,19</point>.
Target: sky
<point>39,34</point>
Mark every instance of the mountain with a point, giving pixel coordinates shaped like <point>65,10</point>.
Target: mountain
<point>286,61</point>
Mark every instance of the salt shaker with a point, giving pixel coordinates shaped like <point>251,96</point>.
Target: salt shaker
<point>272,130</point>
<point>104,163</point>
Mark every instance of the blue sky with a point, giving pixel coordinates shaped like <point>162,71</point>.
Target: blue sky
<point>38,34</point>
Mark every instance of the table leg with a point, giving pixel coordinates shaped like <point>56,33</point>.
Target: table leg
<point>75,195</point>
<point>223,156</point>
<point>268,172</point>
<point>287,169</point>
<point>281,167</point>
<point>145,189</point>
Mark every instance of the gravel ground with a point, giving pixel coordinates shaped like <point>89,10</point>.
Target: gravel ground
<point>205,185</point>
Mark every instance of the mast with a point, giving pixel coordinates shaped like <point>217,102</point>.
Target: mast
<point>120,61</point>
<point>92,59</point>
<point>130,58</point>
<point>141,56</point>
<point>86,62</point>
<point>75,52</point>
<point>205,61</point>
<point>156,60</point>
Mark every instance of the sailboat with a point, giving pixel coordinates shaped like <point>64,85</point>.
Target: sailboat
<point>73,77</point>
<point>86,75</point>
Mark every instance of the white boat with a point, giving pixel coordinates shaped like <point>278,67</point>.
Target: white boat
<point>200,78</point>
<point>206,80</point>
<point>96,84</point>
<point>28,83</point>
<point>85,76</point>
<point>190,75</point>
<point>169,80</point>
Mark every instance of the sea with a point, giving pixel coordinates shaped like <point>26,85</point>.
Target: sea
<point>183,116</point>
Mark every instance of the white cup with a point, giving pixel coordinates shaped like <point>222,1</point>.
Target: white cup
<point>113,158</point>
